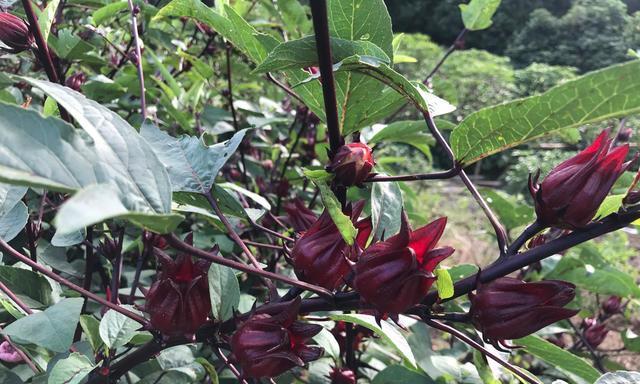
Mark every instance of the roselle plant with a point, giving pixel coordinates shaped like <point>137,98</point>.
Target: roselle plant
<point>252,191</point>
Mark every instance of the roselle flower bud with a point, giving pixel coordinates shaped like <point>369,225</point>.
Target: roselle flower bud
<point>8,354</point>
<point>594,333</point>
<point>75,81</point>
<point>612,305</point>
<point>342,376</point>
<point>396,274</point>
<point>298,215</point>
<point>321,256</point>
<point>14,34</point>
<point>267,345</point>
<point>571,194</point>
<point>625,134</point>
<point>178,302</point>
<point>351,164</point>
<point>508,308</point>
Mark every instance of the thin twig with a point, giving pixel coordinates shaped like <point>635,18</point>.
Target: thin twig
<point>284,87</point>
<point>136,39</point>
<point>455,45</point>
<point>453,172</point>
<point>180,245</point>
<point>596,359</point>
<point>14,253</point>
<point>527,234</point>
<point>7,291</point>
<point>501,233</point>
<point>232,233</point>
<point>20,353</point>
<point>228,364</point>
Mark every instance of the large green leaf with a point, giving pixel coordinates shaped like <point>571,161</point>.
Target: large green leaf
<point>596,96</point>
<point>302,53</point>
<point>230,25</point>
<point>52,329</point>
<point>110,152</point>
<point>478,13</point>
<point>361,20</point>
<point>412,132</point>
<point>619,377</point>
<point>386,209</point>
<point>31,287</point>
<point>558,357</point>
<point>414,92</point>
<point>192,166</point>
<point>13,212</point>
<point>71,370</point>
<point>116,329</point>
<point>398,374</point>
<point>386,331</point>
<point>224,291</point>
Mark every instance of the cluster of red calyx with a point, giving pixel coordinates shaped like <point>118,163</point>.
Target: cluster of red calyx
<point>342,376</point>
<point>267,345</point>
<point>594,332</point>
<point>508,308</point>
<point>178,302</point>
<point>571,194</point>
<point>322,257</point>
<point>298,215</point>
<point>351,164</point>
<point>14,34</point>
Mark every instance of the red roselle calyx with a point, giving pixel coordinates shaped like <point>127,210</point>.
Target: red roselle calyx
<point>612,305</point>
<point>178,302</point>
<point>321,256</point>
<point>594,333</point>
<point>396,274</point>
<point>508,308</point>
<point>298,215</point>
<point>267,345</point>
<point>571,194</point>
<point>76,81</point>
<point>342,376</point>
<point>14,34</point>
<point>351,164</point>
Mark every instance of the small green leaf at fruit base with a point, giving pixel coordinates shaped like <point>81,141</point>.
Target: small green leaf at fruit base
<point>91,328</point>
<point>478,13</point>
<point>333,206</point>
<point>444,283</point>
<point>224,291</point>
<point>317,174</point>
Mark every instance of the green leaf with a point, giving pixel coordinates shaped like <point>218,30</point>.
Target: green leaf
<point>444,283</point>
<point>386,209</point>
<point>414,92</point>
<point>116,329</point>
<point>327,341</point>
<point>230,25</point>
<point>481,363</point>
<point>412,132</point>
<point>318,175</point>
<point>192,166</point>
<point>559,358</point>
<point>357,20</point>
<point>91,328</point>
<point>71,370</point>
<point>478,13</point>
<point>52,329</point>
<point>102,14</point>
<point>512,212</point>
<point>619,377</point>
<point>611,204</point>
<point>140,186</point>
<point>69,46</point>
<point>631,340</point>
<point>608,93</point>
<point>294,15</point>
<point>46,17</point>
<point>29,286</point>
<point>386,331</point>
<point>333,206</point>
<point>211,370</point>
<point>224,291</point>
<point>398,374</point>
<point>302,53</point>
<point>13,212</point>
<point>9,377</point>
